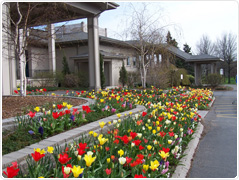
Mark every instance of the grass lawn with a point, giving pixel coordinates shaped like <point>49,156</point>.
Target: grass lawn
<point>233,81</point>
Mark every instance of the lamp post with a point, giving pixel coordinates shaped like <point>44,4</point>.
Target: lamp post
<point>181,82</point>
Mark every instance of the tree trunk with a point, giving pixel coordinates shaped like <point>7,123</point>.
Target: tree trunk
<point>229,74</point>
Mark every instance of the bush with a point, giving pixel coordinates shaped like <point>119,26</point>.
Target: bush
<point>71,80</point>
<point>158,76</point>
<point>214,80</point>
<point>175,77</point>
<point>191,79</point>
<point>123,75</point>
<point>133,79</point>
<point>83,79</point>
<point>48,79</point>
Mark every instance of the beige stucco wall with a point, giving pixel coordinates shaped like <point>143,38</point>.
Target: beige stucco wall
<point>72,51</point>
<point>68,52</point>
<point>127,52</point>
<point>39,59</point>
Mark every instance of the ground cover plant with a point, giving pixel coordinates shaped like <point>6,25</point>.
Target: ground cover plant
<point>148,144</point>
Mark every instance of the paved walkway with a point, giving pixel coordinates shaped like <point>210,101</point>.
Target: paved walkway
<point>216,156</point>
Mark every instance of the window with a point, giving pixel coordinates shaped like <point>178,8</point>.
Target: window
<point>128,61</point>
<point>160,57</point>
<point>155,59</point>
<point>134,61</point>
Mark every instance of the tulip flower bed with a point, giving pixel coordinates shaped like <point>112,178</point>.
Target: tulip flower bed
<point>36,92</point>
<point>148,144</point>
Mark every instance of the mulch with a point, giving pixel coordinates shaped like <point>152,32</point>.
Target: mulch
<point>17,105</point>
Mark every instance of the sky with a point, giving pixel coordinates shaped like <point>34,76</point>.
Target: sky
<point>186,20</point>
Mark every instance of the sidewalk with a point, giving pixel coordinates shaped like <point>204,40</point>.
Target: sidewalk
<point>216,156</point>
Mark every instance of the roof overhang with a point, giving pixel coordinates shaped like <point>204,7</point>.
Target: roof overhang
<point>43,13</point>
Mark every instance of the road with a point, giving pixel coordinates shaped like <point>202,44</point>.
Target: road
<point>216,156</point>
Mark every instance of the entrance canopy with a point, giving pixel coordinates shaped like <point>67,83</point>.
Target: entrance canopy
<point>197,61</point>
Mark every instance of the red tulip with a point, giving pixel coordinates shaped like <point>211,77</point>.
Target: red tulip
<point>37,156</point>
<point>64,158</point>
<point>144,114</point>
<point>31,114</point>
<point>139,176</point>
<point>108,171</point>
<point>59,106</point>
<point>55,115</point>
<point>11,172</point>
<point>133,134</point>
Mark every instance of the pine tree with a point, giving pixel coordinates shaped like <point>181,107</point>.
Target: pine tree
<point>123,75</point>
<point>170,40</point>
<point>186,48</point>
<point>102,75</point>
<point>66,69</point>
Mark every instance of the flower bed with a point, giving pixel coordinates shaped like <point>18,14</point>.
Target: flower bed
<point>148,144</point>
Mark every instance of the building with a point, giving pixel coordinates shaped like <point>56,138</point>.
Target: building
<point>60,12</point>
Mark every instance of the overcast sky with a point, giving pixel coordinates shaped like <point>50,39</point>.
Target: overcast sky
<point>189,19</point>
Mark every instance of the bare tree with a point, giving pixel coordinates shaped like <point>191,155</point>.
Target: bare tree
<point>205,46</point>
<point>147,34</point>
<point>226,48</point>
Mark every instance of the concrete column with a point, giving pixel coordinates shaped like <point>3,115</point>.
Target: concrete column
<point>9,78</point>
<point>51,47</point>
<point>215,67</point>
<point>197,71</point>
<point>94,53</point>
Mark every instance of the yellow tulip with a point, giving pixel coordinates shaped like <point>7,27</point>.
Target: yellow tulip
<point>95,134</point>
<point>37,109</point>
<point>69,106</point>
<point>64,104</point>
<point>102,124</point>
<point>77,170</point>
<point>121,152</point>
<point>154,165</point>
<point>102,140</point>
<point>163,154</point>
<point>145,167</point>
<point>149,147</point>
<point>50,149</point>
<point>89,160</point>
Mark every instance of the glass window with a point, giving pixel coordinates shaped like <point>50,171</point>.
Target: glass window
<point>128,61</point>
<point>134,61</point>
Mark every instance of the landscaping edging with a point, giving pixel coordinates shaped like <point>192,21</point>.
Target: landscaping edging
<point>61,139</point>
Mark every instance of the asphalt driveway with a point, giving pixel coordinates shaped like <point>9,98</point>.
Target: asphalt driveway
<point>216,156</point>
